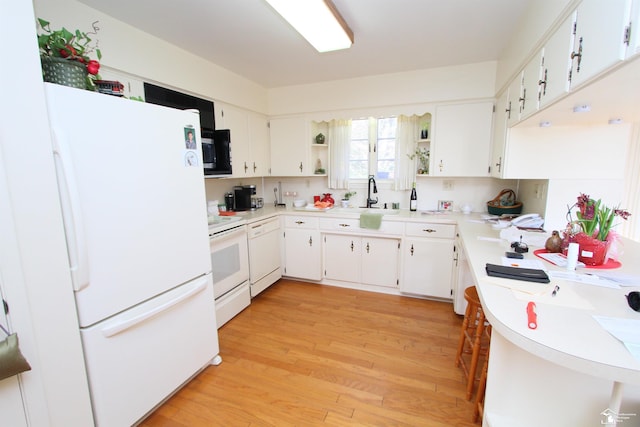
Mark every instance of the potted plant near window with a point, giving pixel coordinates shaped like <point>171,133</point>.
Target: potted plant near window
<point>65,56</point>
<point>423,160</point>
<point>345,199</point>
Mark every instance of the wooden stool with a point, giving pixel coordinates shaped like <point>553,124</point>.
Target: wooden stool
<point>478,408</point>
<point>473,326</point>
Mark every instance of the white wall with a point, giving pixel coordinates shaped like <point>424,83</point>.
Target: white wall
<point>130,50</point>
<point>564,192</point>
<point>33,258</point>
<point>472,81</point>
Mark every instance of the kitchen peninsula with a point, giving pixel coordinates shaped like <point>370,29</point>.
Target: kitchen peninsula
<point>569,371</point>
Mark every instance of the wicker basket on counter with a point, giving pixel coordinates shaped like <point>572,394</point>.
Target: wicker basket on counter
<point>504,203</point>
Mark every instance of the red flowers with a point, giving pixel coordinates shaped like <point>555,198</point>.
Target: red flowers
<point>596,219</point>
<point>93,67</point>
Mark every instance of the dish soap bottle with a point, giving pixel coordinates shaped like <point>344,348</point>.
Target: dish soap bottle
<point>413,200</point>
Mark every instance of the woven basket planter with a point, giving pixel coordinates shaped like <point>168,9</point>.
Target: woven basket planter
<point>64,72</point>
<point>504,203</point>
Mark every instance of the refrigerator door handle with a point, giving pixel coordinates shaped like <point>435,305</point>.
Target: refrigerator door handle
<point>127,323</point>
<point>71,216</point>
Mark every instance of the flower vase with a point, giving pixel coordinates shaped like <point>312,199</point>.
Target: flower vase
<point>592,251</point>
<point>64,72</point>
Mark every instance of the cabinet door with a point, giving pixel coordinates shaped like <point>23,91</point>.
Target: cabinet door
<point>303,254</point>
<point>499,134</point>
<point>514,100</point>
<point>259,145</point>
<point>462,139</point>
<point>531,87</point>
<point>342,257</point>
<point>600,37</point>
<point>289,147</point>
<point>380,261</point>
<point>427,268</point>
<point>237,121</point>
<point>557,63</point>
<point>633,30</point>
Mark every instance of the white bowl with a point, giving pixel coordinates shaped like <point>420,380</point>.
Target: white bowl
<point>299,203</point>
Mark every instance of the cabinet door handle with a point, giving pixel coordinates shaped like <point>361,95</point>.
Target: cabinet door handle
<point>499,164</point>
<point>441,166</point>
<point>508,111</point>
<point>523,99</point>
<point>543,83</point>
<point>367,247</point>
<point>300,167</point>
<point>411,249</point>
<point>578,54</point>
<point>310,241</point>
<point>352,246</point>
<point>245,167</point>
<point>428,230</point>
<point>299,222</point>
<point>344,225</point>
<point>254,167</point>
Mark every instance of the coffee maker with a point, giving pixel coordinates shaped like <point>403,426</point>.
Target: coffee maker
<point>243,197</point>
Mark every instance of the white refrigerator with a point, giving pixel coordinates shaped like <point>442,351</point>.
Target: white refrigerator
<point>134,207</point>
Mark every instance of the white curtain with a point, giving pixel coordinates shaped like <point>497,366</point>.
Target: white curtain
<point>339,144</point>
<point>407,133</point>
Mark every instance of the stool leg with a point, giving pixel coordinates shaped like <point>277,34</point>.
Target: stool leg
<point>478,408</point>
<point>465,325</point>
<point>475,354</point>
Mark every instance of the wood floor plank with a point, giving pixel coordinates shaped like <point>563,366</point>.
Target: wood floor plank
<point>311,355</point>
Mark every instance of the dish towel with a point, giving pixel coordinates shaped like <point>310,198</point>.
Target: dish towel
<point>370,220</point>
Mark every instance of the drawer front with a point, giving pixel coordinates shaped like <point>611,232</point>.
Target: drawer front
<point>441,231</point>
<point>352,225</point>
<point>301,222</point>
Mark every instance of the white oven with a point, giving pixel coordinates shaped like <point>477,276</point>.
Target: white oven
<point>230,268</point>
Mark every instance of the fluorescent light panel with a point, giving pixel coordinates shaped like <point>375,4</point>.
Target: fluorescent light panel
<point>318,21</point>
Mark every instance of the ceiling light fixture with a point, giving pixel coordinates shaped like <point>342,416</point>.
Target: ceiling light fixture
<point>318,21</point>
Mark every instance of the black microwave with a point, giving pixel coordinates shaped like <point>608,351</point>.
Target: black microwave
<point>216,152</point>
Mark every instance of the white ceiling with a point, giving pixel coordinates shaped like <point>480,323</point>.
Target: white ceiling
<point>252,40</point>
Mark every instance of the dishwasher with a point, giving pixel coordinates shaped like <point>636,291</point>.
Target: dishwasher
<point>264,254</point>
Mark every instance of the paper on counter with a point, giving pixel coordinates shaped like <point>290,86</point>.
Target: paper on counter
<point>490,239</point>
<point>565,297</point>
<point>528,288</point>
<point>626,330</point>
<point>523,263</point>
<point>587,279</point>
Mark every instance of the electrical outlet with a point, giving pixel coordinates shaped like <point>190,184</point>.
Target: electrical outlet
<point>447,185</point>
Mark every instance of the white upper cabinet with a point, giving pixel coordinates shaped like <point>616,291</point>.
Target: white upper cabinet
<point>531,85</point>
<point>259,154</point>
<point>556,63</point>
<point>237,121</point>
<point>514,99</point>
<point>500,134</point>
<point>462,139</point>
<point>290,140</point>
<point>249,139</point>
<point>599,37</point>
<point>633,30</point>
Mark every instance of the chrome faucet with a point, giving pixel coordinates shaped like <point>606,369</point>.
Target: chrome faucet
<point>370,201</point>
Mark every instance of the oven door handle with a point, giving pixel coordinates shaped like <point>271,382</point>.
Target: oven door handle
<point>228,233</point>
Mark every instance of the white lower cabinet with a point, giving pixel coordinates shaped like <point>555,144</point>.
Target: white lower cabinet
<point>367,260</point>
<point>302,248</point>
<point>428,261</point>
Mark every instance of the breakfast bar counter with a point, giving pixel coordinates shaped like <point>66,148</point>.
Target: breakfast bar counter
<point>569,371</point>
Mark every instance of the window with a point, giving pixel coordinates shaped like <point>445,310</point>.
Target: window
<point>373,148</point>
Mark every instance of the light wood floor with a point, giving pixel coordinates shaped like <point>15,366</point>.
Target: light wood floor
<point>305,355</point>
